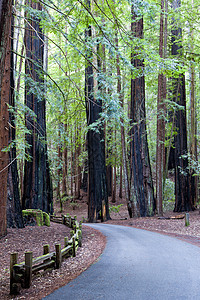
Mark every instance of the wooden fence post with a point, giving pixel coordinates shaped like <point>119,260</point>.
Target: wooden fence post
<point>187,221</point>
<point>70,222</point>
<point>13,261</point>
<point>25,277</point>
<point>28,269</point>
<point>65,242</point>
<point>64,219</point>
<point>79,238</point>
<point>73,247</point>
<point>58,256</point>
<point>46,249</point>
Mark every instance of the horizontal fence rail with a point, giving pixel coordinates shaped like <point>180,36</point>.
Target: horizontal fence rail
<point>21,274</point>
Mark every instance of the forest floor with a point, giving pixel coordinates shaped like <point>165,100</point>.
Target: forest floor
<point>32,238</point>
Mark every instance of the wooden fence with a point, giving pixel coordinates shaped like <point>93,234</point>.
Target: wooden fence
<point>21,274</point>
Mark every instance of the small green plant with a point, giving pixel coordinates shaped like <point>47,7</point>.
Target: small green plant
<point>169,196</point>
<point>115,209</point>
<point>74,205</point>
<point>84,220</point>
<point>66,198</point>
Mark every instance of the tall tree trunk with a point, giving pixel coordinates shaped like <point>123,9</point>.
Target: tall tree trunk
<point>142,194</point>
<point>160,149</point>
<point>97,191</point>
<point>84,181</point>
<point>59,169</point>
<point>193,139</point>
<point>5,30</point>
<point>114,177</point>
<point>21,161</point>
<point>37,180</point>
<point>120,183</point>
<point>109,169</point>
<point>130,204</point>
<point>78,177</point>
<point>109,153</point>
<point>182,190</point>
<point>14,210</point>
<point>167,149</point>
<point>193,122</point>
<point>72,167</point>
<point>109,179</point>
<point>65,166</point>
<point>75,160</point>
<point>114,184</point>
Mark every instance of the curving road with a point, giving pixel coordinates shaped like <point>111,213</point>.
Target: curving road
<point>138,264</point>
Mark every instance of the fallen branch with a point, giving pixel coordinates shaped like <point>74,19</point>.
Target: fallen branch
<point>178,217</point>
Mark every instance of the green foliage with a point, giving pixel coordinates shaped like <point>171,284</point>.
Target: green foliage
<point>115,208</point>
<point>74,205</point>
<point>169,195</point>
<point>64,24</point>
<point>194,165</point>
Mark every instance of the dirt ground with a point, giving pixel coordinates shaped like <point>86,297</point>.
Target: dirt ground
<point>32,238</point>
<point>165,226</point>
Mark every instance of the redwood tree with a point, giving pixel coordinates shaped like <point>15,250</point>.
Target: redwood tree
<point>14,209</point>
<point>193,121</point>
<point>160,149</point>
<point>142,195</point>
<point>97,187</point>
<point>123,140</point>
<point>37,181</point>
<point>179,153</point>
<point>5,30</point>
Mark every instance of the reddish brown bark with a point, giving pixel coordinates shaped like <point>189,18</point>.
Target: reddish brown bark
<point>59,170</point>
<point>5,30</point>
<point>130,206</point>
<point>72,167</point>
<point>120,184</point>
<point>182,188</point>
<point>97,187</point>
<point>160,149</point>
<point>193,121</point>
<point>114,171</point>
<point>114,185</point>
<point>142,195</point>
<point>65,168</point>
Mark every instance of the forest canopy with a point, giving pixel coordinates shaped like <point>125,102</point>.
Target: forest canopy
<point>101,96</point>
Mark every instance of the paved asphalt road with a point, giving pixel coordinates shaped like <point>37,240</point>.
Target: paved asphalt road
<point>137,264</point>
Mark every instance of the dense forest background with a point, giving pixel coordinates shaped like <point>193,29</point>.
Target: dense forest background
<point>100,96</point>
